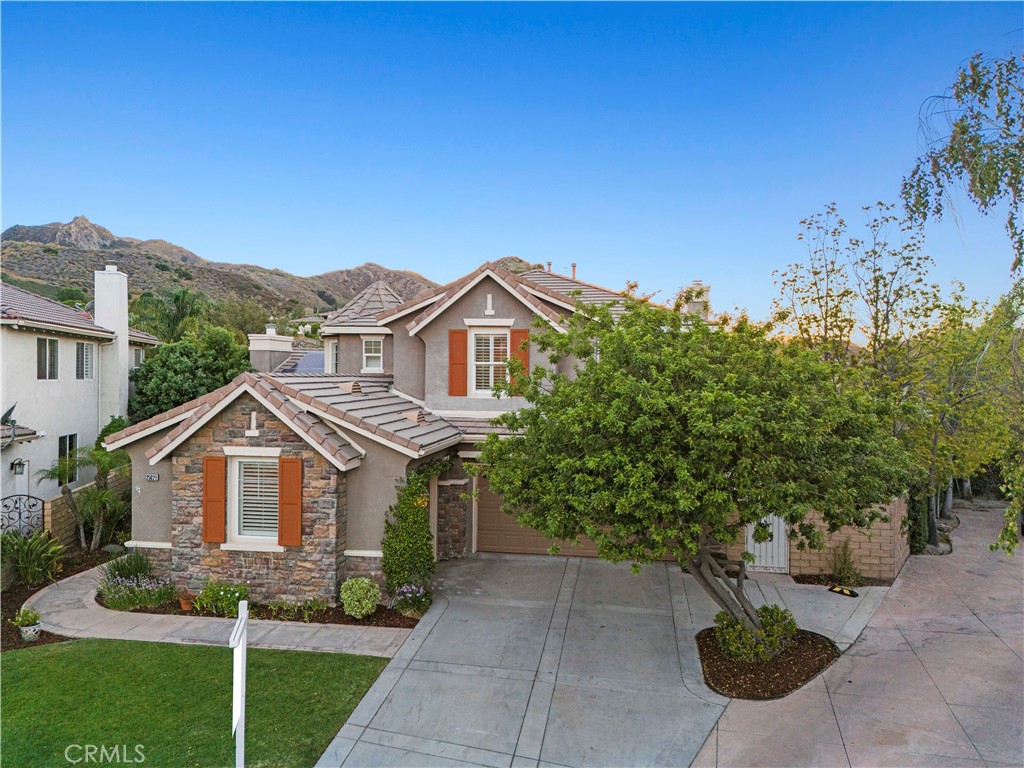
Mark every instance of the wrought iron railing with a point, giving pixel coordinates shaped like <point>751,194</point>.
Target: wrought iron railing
<point>21,513</point>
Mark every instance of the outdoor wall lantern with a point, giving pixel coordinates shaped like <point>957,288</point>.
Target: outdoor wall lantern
<point>18,466</point>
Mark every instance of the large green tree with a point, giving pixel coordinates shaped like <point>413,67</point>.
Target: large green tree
<point>169,317</point>
<point>975,134</point>
<point>173,374</point>
<point>670,437</point>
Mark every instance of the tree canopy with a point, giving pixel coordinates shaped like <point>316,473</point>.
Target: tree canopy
<point>975,137</point>
<point>671,436</point>
<point>175,373</point>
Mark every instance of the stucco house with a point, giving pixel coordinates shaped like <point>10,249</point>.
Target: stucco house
<point>65,373</point>
<point>284,478</point>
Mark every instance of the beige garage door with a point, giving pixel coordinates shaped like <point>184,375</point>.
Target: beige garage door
<point>498,532</point>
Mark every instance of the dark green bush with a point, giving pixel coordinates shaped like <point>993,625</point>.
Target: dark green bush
<point>134,564</point>
<point>408,545</point>
<point>844,571</point>
<point>36,558</point>
<point>221,598</point>
<point>778,627</point>
<point>917,519</point>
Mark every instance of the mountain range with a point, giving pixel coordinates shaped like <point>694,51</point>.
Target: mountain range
<point>43,258</point>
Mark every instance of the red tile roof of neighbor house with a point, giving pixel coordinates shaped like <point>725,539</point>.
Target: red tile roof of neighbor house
<point>364,307</point>
<point>317,405</point>
<point>29,308</point>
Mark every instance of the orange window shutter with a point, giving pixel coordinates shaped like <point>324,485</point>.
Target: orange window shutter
<point>458,373</point>
<point>519,349</point>
<point>289,502</point>
<point>215,501</point>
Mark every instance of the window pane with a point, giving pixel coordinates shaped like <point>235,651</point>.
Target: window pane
<point>373,363</point>
<point>372,346</point>
<point>80,360</point>
<point>257,498</point>
<point>52,371</point>
<point>500,347</point>
<point>41,358</point>
<point>482,349</point>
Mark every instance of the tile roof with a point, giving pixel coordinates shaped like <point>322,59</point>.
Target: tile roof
<point>363,309</point>
<point>552,286</point>
<point>366,404</point>
<point>19,304</point>
<point>16,434</point>
<point>475,426</point>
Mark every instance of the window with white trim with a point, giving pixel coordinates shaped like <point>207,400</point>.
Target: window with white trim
<point>257,499</point>
<point>84,352</point>
<point>490,354</point>
<point>67,446</point>
<point>373,355</point>
<point>46,358</point>
<point>138,356</point>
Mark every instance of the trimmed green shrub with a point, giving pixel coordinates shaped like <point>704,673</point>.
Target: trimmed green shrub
<point>132,565</point>
<point>36,558</point>
<point>221,598</point>
<point>844,572</point>
<point>778,627</point>
<point>408,545</point>
<point>359,597</point>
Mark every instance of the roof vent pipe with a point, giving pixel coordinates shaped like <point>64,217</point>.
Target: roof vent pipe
<point>549,266</point>
<point>574,270</point>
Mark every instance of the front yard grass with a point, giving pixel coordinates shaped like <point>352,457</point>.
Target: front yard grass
<point>175,701</point>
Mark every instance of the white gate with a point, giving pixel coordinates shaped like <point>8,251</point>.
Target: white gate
<point>772,556</point>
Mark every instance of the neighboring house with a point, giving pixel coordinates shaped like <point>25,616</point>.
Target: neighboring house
<point>65,373</point>
<point>284,479</point>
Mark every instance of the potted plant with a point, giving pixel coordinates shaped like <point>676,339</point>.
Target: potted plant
<point>185,600</point>
<point>27,622</point>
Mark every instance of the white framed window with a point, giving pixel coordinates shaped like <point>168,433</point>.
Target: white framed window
<point>84,354</point>
<point>253,499</point>
<point>489,356</point>
<point>373,354</point>
<point>46,358</point>
<point>331,357</point>
<point>138,356</point>
<point>67,445</point>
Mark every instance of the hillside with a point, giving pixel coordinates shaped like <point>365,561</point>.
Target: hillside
<point>48,256</point>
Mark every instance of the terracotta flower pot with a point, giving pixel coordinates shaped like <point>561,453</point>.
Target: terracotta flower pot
<point>30,634</point>
<point>186,603</point>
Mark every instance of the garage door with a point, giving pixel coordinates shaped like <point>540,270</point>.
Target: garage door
<point>498,532</point>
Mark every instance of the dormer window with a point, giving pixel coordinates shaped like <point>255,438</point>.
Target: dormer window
<point>373,354</point>
<point>490,352</point>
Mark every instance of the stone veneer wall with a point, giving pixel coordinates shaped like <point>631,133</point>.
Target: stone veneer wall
<point>296,574</point>
<point>60,521</point>
<point>878,552</point>
<point>367,567</point>
<point>452,516</point>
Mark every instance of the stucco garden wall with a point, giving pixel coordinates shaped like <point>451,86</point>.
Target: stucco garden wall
<point>308,571</point>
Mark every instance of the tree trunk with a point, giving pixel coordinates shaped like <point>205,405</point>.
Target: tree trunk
<point>69,498</point>
<point>947,502</point>
<point>729,596</point>
<point>965,489</point>
<point>933,528</point>
<point>97,532</point>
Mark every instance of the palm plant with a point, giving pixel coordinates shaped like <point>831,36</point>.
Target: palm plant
<point>65,471</point>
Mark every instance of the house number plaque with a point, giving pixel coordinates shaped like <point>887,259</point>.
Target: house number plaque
<point>152,476</point>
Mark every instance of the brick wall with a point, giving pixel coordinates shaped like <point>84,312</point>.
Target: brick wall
<point>60,521</point>
<point>298,573</point>
<point>879,552</point>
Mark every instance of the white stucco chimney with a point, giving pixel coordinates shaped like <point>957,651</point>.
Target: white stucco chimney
<point>268,350</point>
<point>110,308</point>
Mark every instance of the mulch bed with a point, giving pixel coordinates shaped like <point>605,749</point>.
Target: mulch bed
<point>75,561</point>
<point>382,617</point>
<point>806,656</point>
<point>827,580</point>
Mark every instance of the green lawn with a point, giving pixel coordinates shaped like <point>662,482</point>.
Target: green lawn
<point>174,700</point>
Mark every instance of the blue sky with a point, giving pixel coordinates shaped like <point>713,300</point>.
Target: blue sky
<point>658,143</point>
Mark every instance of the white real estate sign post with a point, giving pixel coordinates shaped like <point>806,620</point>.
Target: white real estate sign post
<point>238,641</point>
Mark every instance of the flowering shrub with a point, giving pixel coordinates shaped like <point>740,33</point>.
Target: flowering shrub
<point>124,593</point>
<point>359,597</point>
<point>221,598</point>
<point>25,617</point>
<point>411,598</point>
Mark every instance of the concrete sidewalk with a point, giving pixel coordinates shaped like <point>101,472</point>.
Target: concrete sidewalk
<point>560,661</point>
<point>69,608</point>
<point>936,679</point>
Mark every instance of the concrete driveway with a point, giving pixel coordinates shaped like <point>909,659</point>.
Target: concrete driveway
<point>534,660</point>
